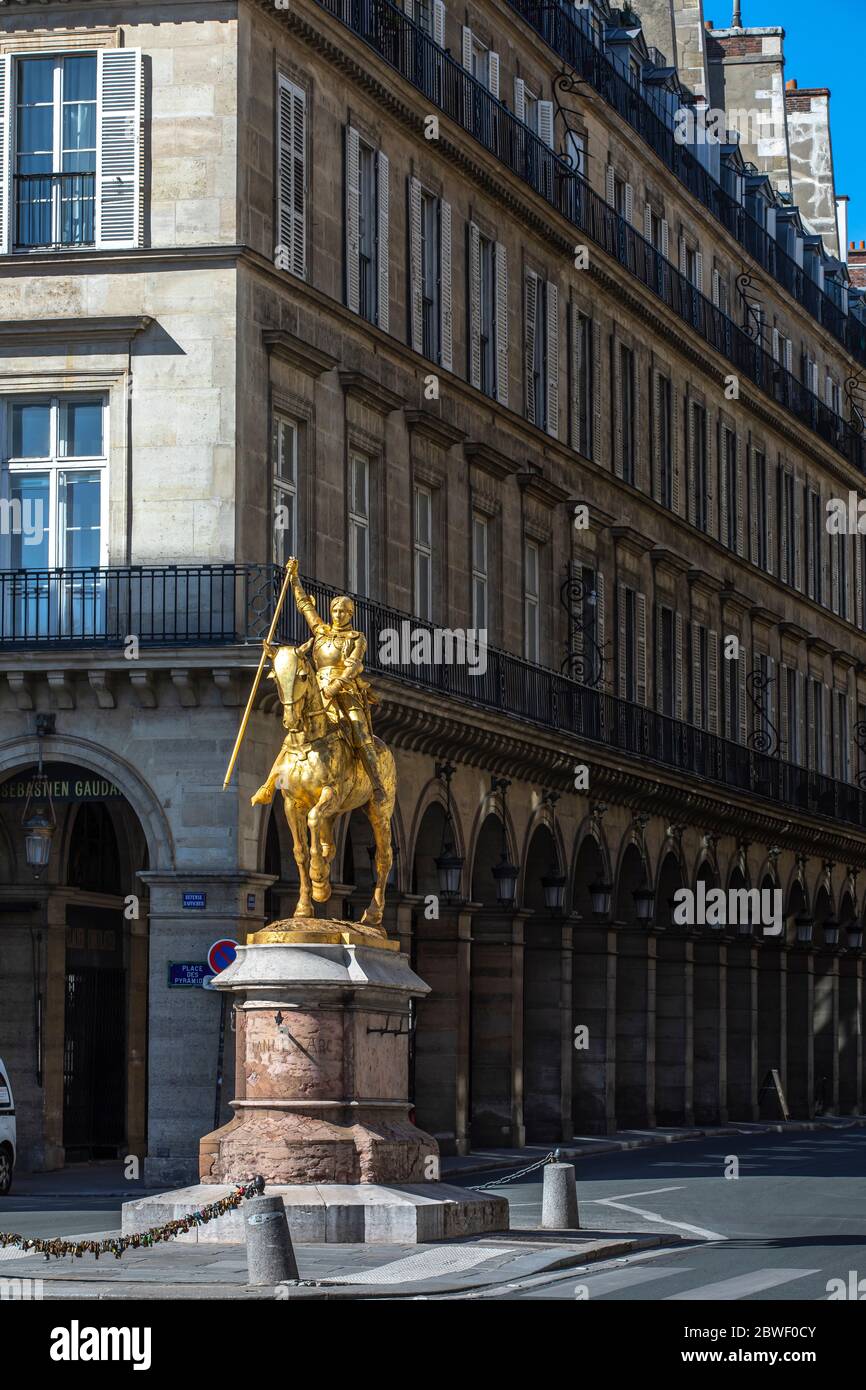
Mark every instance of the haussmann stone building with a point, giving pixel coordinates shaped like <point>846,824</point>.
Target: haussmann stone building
<point>461,304</point>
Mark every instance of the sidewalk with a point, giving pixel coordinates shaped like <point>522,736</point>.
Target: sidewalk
<point>328,1272</point>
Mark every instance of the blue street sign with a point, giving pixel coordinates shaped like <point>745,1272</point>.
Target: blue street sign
<point>187,974</point>
<point>198,901</point>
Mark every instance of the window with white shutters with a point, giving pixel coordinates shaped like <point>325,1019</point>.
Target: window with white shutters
<point>699,478</point>
<point>423,552</point>
<point>840,737</point>
<point>531,601</point>
<point>580,382</point>
<point>663,459</point>
<point>760,510</point>
<point>291,251</point>
<point>631,645</point>
<point>367,230</point>
<point>284,454</point>
<point>359,524</point>
<point>70,150</point>
<point>480,573</point>
<point>814,532</point>
<point>430,274</point>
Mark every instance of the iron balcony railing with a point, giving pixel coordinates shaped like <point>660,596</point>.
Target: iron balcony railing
<point>53,210</point>
<point>231,604</point>
<point>447,85</point>
<point>563,30</point>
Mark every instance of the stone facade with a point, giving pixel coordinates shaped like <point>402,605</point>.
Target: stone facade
<point>200,341</point>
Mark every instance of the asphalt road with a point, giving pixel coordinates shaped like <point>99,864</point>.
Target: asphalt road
<point>791,1220</point>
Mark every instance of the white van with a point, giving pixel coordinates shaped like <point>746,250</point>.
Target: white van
<point>7,1131</point>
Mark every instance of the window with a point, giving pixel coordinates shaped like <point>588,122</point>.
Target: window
<point>536,349</point>
<point>763,714</point>
<point>488,315</point>
<point>700,678</point>
<point>423,546</point>
<point>55,151</point>
<point>367,230</point>
<point>54,483</point>
<point>663,441</point>
<point>285,488</point>
<point>700,472</point>
<point>762,533</point>
<point>667,675</point>
<point>626,421</point>
<point>631,645</point>
<point>814,551</point>
<point>359,524</point>
<point>841,737</point>
<point>582,383</point>
<point>734,693</point>
<point>861,616</point>
<point>787,526</point>
<point>792,707</point>
<point>430,275</point>
<point>488,310</point>
<point>480,574</point>
<point>531,612</point>
<point>839,560</point>
<point>630,642</point>
<point>816,726</point>
<point>729,466</point>
<point>480,62</point>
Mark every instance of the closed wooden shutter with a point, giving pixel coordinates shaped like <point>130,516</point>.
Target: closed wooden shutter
<point>771,517</point>
<point>712,480</point>
<point>678,667</point>
<point>742,668</point>
<point>783,527</point>
<point>618,449</point>
<point>493,74</point>
<point>835,558</point>
<point>724,440</point>
<point>699,271</point>
<point>789,355</point>
<point>416,309</point>
<point>665,240</point>
<point>716,288</point>
<point>753,505</point>
<point>501,324</point>
<point>520,98</point>
<point>713,681</point>
<point>600,624</point>
<point>675,450</point>
<point>697,712</point>
<point>546,122</point>
<point>530,320</point>
<point>552,384</point>
<point>784,733</point>
<point>575,376</point>
<point>683,256</point>
<point>648,222</point>
<point>659,610</point>
<point>466,43</point>
<point>610,185</point>
<point>797,566</point>
<point>353,220</point>
<point>446,320</point>
<point>383,239</point>
<point>439,22</point>
<point>596,392</point>
<point>118,147</point>
<point>621,654</point>
<point>640,653</point>
<point>5,153</point>
<point>292,175</point>
<point>859,542</point>
<point>811,539</point>
<point>656,464</point>
<point>475,306</point>
<point>691,461</point>
<point>629,204</point>
<point>741,497</point>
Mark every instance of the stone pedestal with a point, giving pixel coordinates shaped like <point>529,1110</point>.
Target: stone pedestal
<point>322,1064</point>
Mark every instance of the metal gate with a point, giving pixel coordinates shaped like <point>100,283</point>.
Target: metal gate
<point>94,1063</point>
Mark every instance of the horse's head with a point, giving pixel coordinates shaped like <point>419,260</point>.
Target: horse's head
<point>297,686</point>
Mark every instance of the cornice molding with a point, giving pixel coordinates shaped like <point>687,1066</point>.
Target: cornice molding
<point>490,459</point>
<point>433,427</point>
<point>289,348</point>
<point>44,333</point>
<point>370,392</point>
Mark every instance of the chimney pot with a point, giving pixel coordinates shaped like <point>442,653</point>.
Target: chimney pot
<point>791,84</point>
<point>863,246</point>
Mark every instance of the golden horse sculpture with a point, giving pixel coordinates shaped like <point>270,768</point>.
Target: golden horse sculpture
<point>330,763</point>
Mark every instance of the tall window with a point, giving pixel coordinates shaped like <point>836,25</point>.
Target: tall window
<point>787,526</point>
<point>814,550</point>
<point>359,524</point>
<point>700,472</point>
<point>816,725</point>
<point>582,366</point>
<point>531,606</point>
<point>538,355</point>
<point>367,231</point>
<point>430,272</point>
<point>626,360</point>
<point>729,463</point>
<point>488,316</point>
<point>664,443</point>
<point>423,548</point>
<point>843,766</point>
<point>792,698</point>
<point>629,618</point>
<point>762,530</point>
<point>667,651</point>
<point>55,151</point>
<point>480,573</point>
<point>285,485</point>
<point>700,678</point>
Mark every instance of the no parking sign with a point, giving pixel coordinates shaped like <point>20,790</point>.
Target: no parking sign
<point>221,954</point>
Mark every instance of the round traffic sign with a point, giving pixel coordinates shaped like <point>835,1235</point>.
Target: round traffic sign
<point>221,954</point>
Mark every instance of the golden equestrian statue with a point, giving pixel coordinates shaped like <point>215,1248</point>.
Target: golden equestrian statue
<point>330,763</point>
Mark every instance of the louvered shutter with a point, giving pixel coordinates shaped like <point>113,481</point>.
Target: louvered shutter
<point>118,147</point>
<point>292,175</point>
<point>811,539</point>
<point>640,654</point>
<point>648,222</point>
<point>796,576</point>
<point>771,518</point>
<point>697,712</point>
<point>546,123</point>
<point>789,355</point>
<point>416,294</point>
<point>742,667</point>
<point>785,577</point>
<point>691,462</point>
<point>409,8</point>
<point>618,448</point>
<point>665,240</point>
<point>5,154</point>
<point>552,359</point>
<point>596,392</point>
<point>621,655</point>
<point>629,204</point>
<point>810,723</point>
<point>446,323</point>
<point>678,667</point>
<point>699,271</point>
<point>474,306</point>
<point>859,542</point>
<point>713,681</point>
<point>439,22</point>
<point>753,506</point>
<point>712,479</point>
<point>776,344</point>
<point>741,497</point>
<point>493,74</point>
<point>610,185</point>
<point>656,479</point>
<point>835,558</point>
<point>716,292</point>
<point>675,450</point>
<point>520,98</point>
<point>467,48</point>
<point>837,741</point>
<point>659,667</point>
<point>784,734</point>
<point>353,220</point>
<point>683,257</point>
<point>575,377</point>
<point>724,440</point>
<point>383,238</point>
<point>530,319</point>
<point>600,622</point>
<point>501,325</point>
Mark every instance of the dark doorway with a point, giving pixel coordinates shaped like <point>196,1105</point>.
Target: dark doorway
<point>94,1046</point>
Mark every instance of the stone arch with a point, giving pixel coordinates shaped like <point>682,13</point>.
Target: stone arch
<point>591,865</point>
<point>629,875</point>
<point>669,878</point>
<point>486,854</point>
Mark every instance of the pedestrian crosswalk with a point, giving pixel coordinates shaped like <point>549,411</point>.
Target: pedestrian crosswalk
<point>646,1281</point>
<point>742,1285</point>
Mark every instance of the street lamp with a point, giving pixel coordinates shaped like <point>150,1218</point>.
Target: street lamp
<point>40,823</point>
<point>449,864</point>
<point>553,882</point>
<point>505,873</point>
<point>601,895</point>
<point>854,932</point>
<point>644,901</point>
<point>831,932</point>
<point>804,924</point>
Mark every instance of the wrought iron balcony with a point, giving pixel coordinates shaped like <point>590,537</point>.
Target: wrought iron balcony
<point>232,604</point>
<point>54,210</point>
<point>446,84</point>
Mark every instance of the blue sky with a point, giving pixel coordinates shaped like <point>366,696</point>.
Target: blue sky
<point>824,47</point>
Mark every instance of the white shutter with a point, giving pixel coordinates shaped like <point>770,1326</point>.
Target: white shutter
<point>118,147</point>
<point>520,98</point>
<point>621,656</point>
<point>609,185</point>
<point>5,153</point>
<point>656,468</point>
<point>416,300</point>
<point>797,577</point>
<point>467,48</point>
<point>552,345</point>
<point>530,320</point>
<point>716,293</point>
<point>835,557</point>
<point>691,460</point>
<point>665,239</point>
<point>409,8</point>
<point>545,122</point>
<point>648,222</point>
<point>789,355</point>
<point>446,324</point>
<point>618,413</point>
<point>474,306</point>
<point>659,667</point>
<point>439,23</point>
<point>784,737</point>
<point>493,74</point>
<point>382,240</point>
<point>683,260</point>
<point>723,485</point>
<point>575,374</point>
<point>292,175</point>
<point>640,641</point>
<point>699,716</point>
<point>776,344</point>
<point>753,506</point>
<point>629,203</point>
<point>675,450</point>
<point>699,271</point>
<point>742,667</point>
<point>771,516</point>
<point>501,325</point>
<point>353,220</point>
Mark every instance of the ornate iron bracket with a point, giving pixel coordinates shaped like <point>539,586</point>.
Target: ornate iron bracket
<point>585,659</point>
<point>860,740</point>
<point>854,390</point>
<point>567,83</point>
<point>753,319</point>
<point>764,737</point>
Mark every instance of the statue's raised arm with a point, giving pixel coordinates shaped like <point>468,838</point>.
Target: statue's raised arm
<point>304,604</point>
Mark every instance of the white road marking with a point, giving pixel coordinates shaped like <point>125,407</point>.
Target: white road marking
<point>699,1231</point>
<point>742,1286</point>
<point>647,1192</point>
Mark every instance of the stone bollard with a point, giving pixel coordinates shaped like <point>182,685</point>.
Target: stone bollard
<point>270,1256</point>
<point>559,1198</point>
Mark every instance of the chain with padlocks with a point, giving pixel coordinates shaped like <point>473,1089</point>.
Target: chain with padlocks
<point>139,1240</point>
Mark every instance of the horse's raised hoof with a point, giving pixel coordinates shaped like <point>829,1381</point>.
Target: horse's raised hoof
<point>263,797</point>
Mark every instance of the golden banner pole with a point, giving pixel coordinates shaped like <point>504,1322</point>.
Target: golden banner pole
<point>249,709</point>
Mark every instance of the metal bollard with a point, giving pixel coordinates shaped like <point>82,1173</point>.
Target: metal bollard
<point>270,1255</point>
<point>559,1198</point>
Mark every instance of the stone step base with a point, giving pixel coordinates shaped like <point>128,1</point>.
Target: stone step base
<point>335,1213</point>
